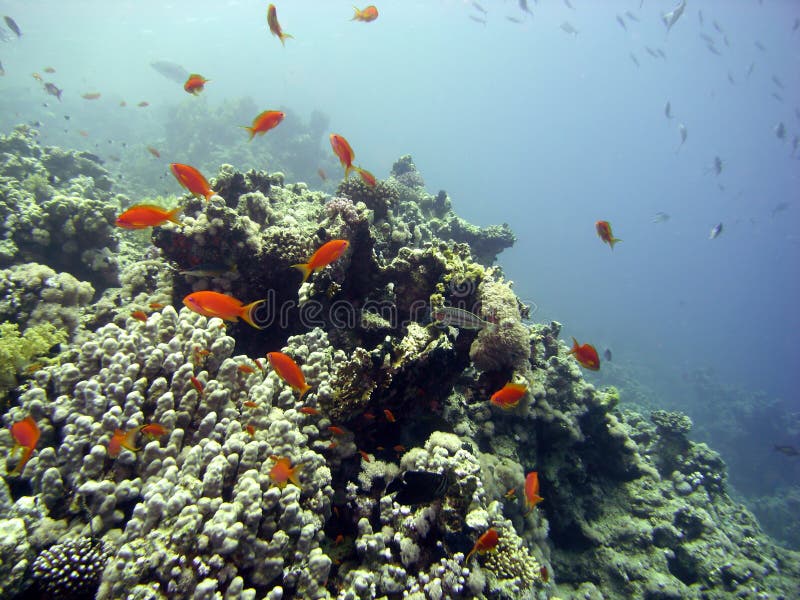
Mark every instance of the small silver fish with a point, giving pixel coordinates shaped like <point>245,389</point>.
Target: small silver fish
<point>479,7</point>
<point>750,69</point>
<point>631,16</point>
<point>660,217</point>
<point>672,16</point>
<point>607,354</point>
<point>478,19</point>
<point>668,110</point>
<point>780,131</point>
<point>458,317</point>
<point>2,70</point>
<point>567,27</point>
<point>715,231</point>
<point>776,80</point>
<point>634,59</point>
<point>513,19</point>
<point>684,134</point>
<point>523,5</point>
<point>12,25</point>
<point>760,46</point>
<point>621,22</point>
<point>566,2</point>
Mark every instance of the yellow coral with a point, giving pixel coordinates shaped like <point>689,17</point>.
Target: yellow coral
<point>19,351</point>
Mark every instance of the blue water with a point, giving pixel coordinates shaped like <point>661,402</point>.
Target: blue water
<point>520,123</point>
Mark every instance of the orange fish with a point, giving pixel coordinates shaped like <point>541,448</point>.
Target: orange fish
<point>259,365</point>
<point>228,308</point>
<point>488,541</point>
<point>364,455</point>
<point>335,430</point>
<point>604,231</point>
<point>154,430</point>
<point>156,306</point>
<point>309,410</point>
<point>142,216</point>
<point>195,83</point>
<point>345,153</point>
<point>245,369</point>
<point>90,95</point>
<point>367,177</point>
<point>366,15</point>
<point>338,540</point>
<point>509,395</point>
<point>389,416</point>
<point>289,372</point>
<point>510,494</point>
<point>322,174</point>
<point>250,404</point>
<point>26,435</point>
<point>544,574</point>
<point>586,355</point>
<point>269,119</point>
<point>139,315</point>
<point>274,26</point>
<point>283,471</point>
<point>399,448</point>
<point>83,133</point>
<point>192,180</point>
<point>532,497</point>
<point>143,103</point>
<point>154,152</point>
<point>36,76</point>
<point>325,255</point>
<point>333,444</point>
<point>251,429</point>
<point>123,439</point>
<point>198,385</point>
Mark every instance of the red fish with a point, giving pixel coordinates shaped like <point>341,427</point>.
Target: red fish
<point>156,305</point>
<point>155,430</point>
<point>26,435</point>
<point>345,153</point>
<point>269,119</point>
<point>309,410</point>
<point>604,231</point>
<point>364,455</point>
<point>366,15</point>
<point>154,152</point>
<point>227,308</point>
<point>198,385</point>
<point>325,255</point>
<point>532,497</point>
<point>274,26</point>
<point>544,574</point>
<point>389,416</point>
<point>367,177</point>
<point>250,404</point>
<point>139,315</point>
<point>509,395</point>
<point>259,365</point>
<point>195,83</point>
<point>245,369</point>
<point>123,439</point>
<point>192,180</point>
<point>488,541</point>
<point>251,430</point>
<point>289,372</point>
<point>336,430</point>
<point>586,355</point>
<point>283,471</point>
<point>143,216</point>
<point>322,174</point>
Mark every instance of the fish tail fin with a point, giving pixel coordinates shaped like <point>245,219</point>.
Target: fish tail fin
<point>250,130</point>
<point>284,37</point>
<point>305,269</point>
<point>575,345</point>
<point>26,454</point>
<point>248,313</point>
<point>471,552</point>
<point>304,390</point>
<point>174,214</point>
<point>209,194</point>
<point>358,12</point>
<point>613,241</point>
<point>347,170</point>
<point>294,475</point>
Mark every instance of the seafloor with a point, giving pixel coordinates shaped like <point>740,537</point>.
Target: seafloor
<point>632,507</point>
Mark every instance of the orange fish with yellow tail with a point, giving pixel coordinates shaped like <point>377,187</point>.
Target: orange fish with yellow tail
<point>532,497</point>
<point>365,15</point>
<point>586,355</point>
<point>604,231</point>
<point>509,395</point>
<point>269,119</point>
<point>192,180</point>
<point>487,542</point>
<point>26,435</point>
<point>283,472</point>
<point>123,439</point>
<point>342,149</point>
<point>289,372</point>
<point>274,26</point>
<point>227,308</point>
<point>142,216</point>
<point>195,84</point>
<point>325,255</point>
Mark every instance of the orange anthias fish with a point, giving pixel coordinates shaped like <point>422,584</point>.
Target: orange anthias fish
<point>366,15</point>
<point>322,174</point>
<point>274,26</point>
<point>228,308</point>
<point>345,153</point>
<point>604,231</point>
<point>192,180</point>
<point>142,216</point>
<point>154,152</point>
<point>195,83</point>
<point>309,410</point>
<point>586,355</point>
<point>26,435</point>
<point>367,177</point>
<point>123,439</point>
<point>325,255</point>
<point>154,430</point>
<point>289,372</point>
<point>90,95</point>
<point>139,315</point>
<point>488,541</point>
<point>532,497</point>
<point>283,471</point>
<point>509,395</point>
<point>269,119</point>
<point>389,415</point>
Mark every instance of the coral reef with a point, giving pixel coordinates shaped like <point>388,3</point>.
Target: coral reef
<point>402,462</point>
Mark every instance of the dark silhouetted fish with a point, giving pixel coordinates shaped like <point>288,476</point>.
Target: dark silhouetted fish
<point>777,81</point>
<point>479,7</point>
<point>607,354</point>
<point>780,207</point>
<point>477,19</point>
<point>787,450</point>
<point>631,16</point>
<point>668,110</point>
<point>12,25</point>
<point>171,70</point>
<point>684,134</point>
<point>715,231</point>
<point>634,59</point>
<point>53,90</point>
<point>2,70</point>
<point>780,131</point>
<point>621,22</point>
<point>567,27</point>
<point>418,487</point>
<point>513,19</point>
<point>523,5</point>
<point>660,217</point>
